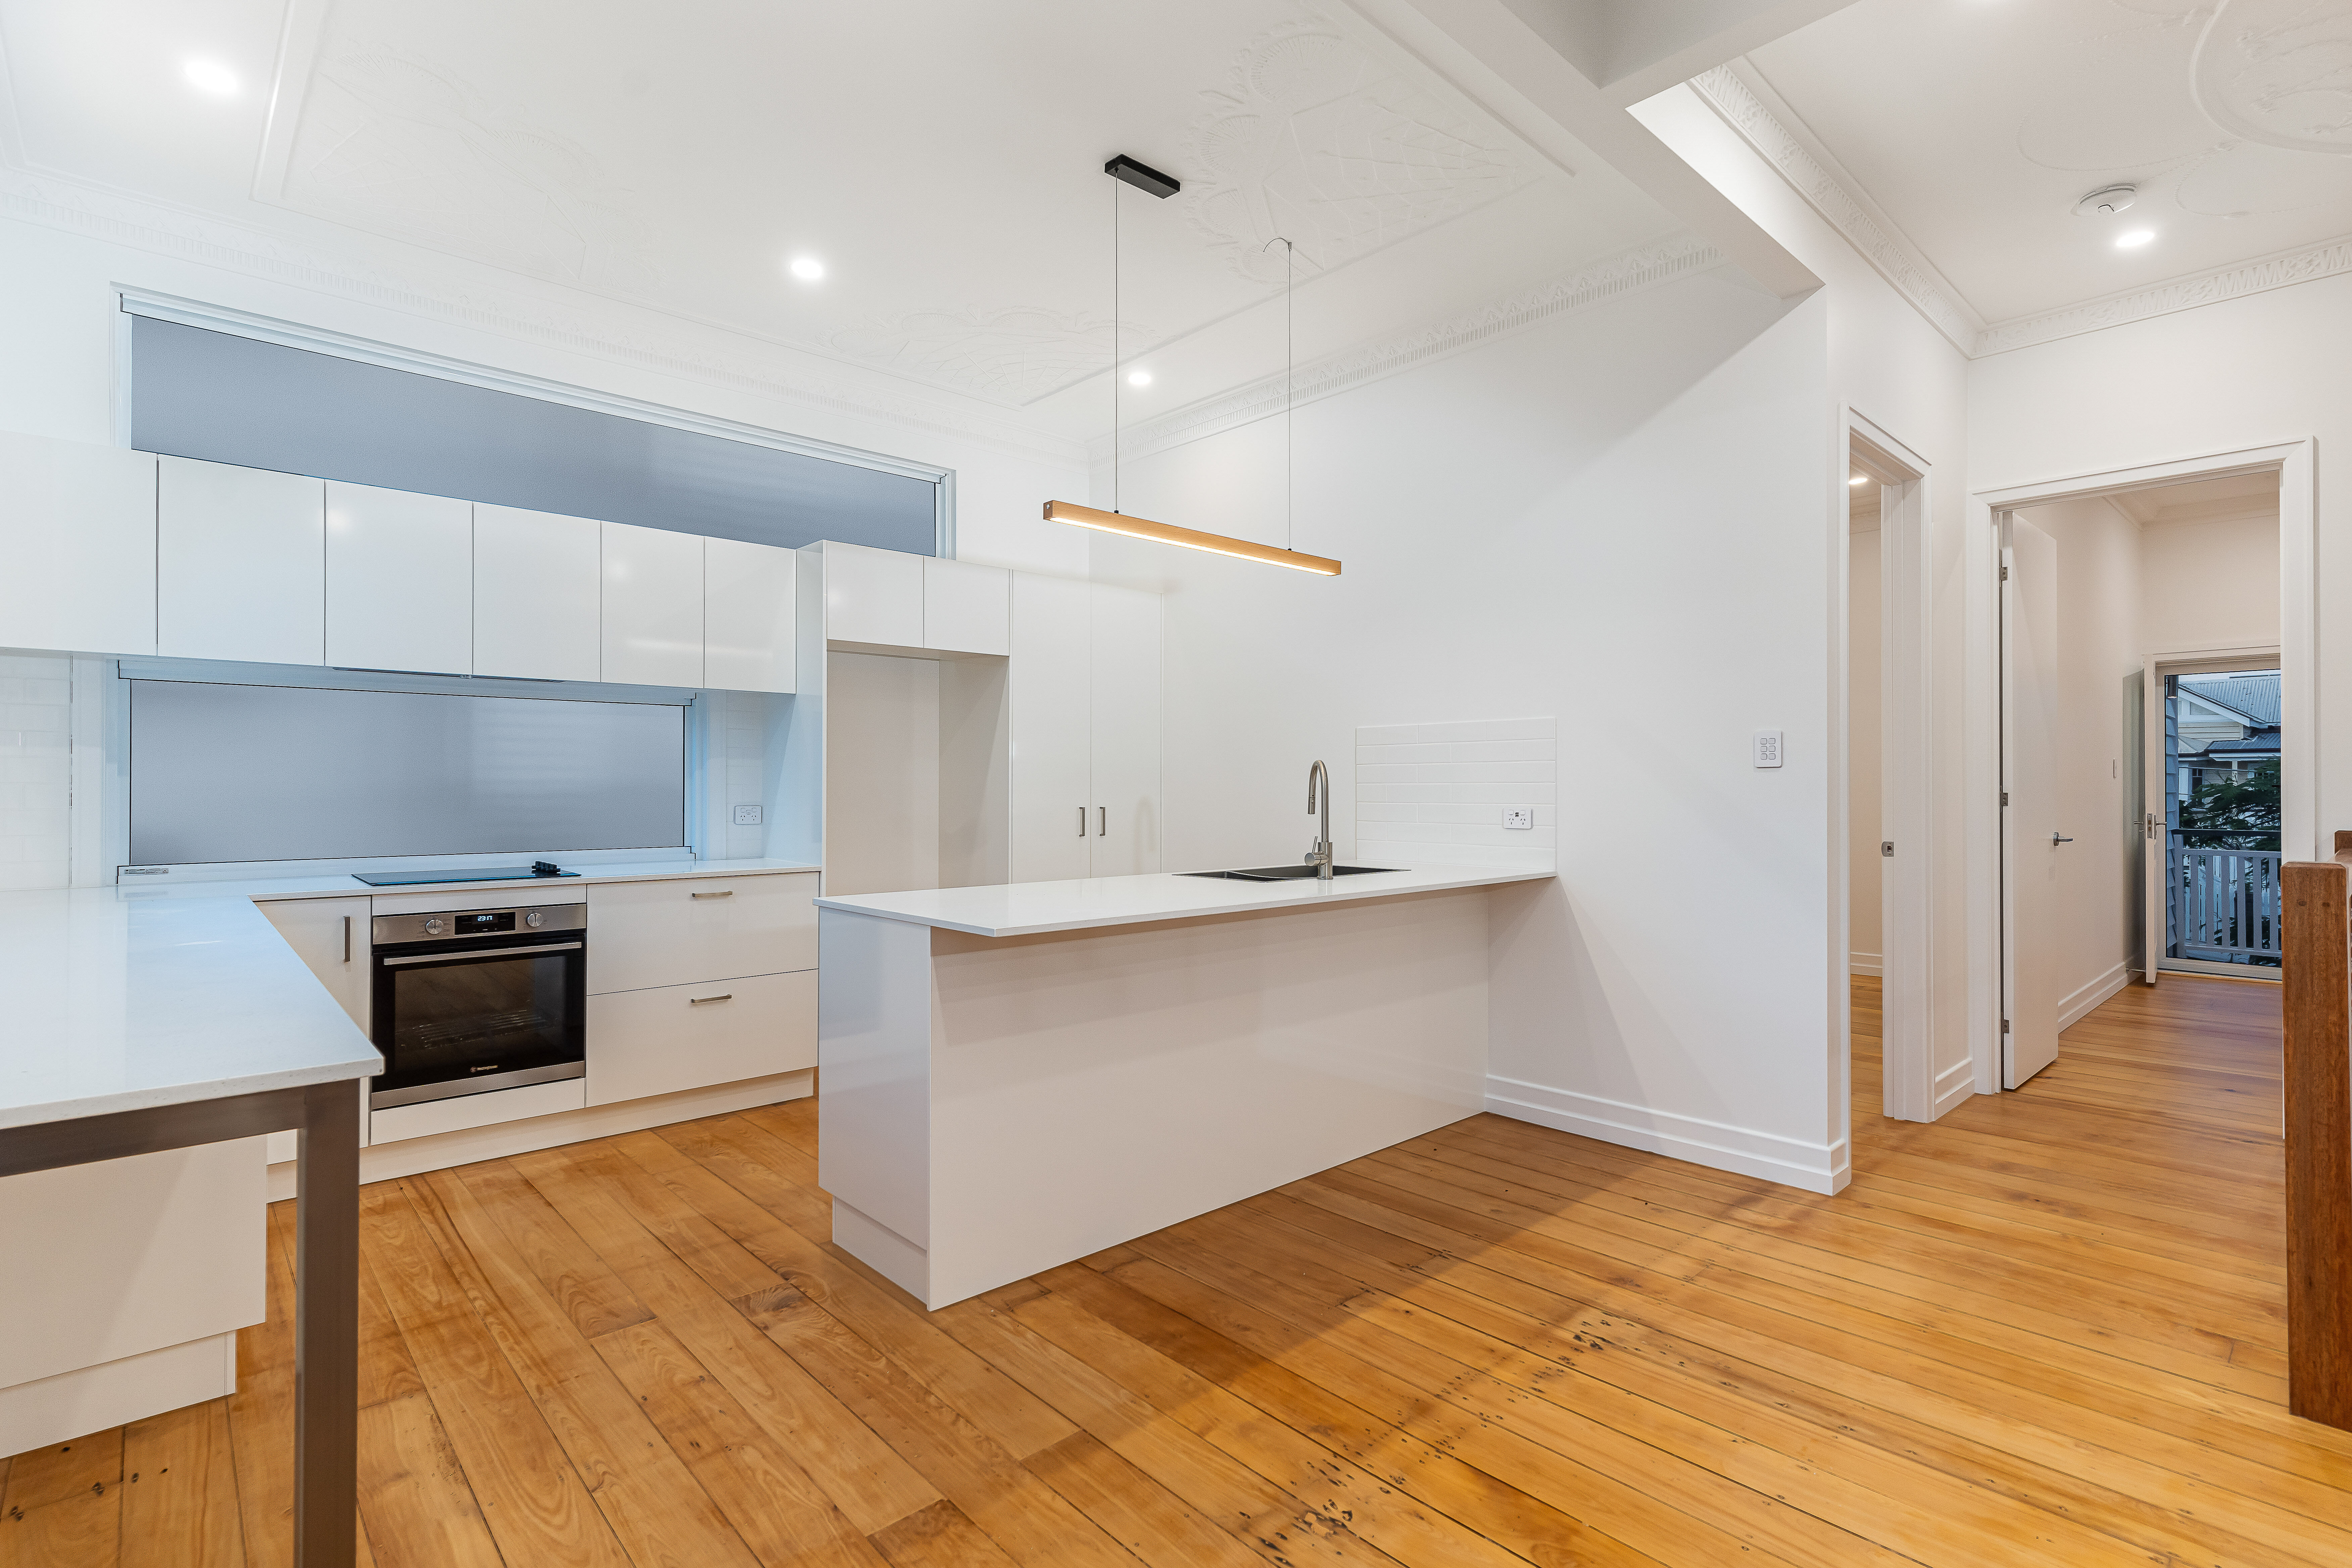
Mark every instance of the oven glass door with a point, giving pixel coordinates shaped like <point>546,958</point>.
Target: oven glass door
<point>465,1016</point>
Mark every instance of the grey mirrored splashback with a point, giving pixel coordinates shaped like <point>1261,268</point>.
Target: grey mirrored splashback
<point>276,772</point>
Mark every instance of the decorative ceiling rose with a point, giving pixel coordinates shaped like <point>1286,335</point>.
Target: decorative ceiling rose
<point>1151,182</point>
<point>2278,72</point>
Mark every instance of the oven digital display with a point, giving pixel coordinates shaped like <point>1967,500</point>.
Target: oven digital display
<point>483,924</point>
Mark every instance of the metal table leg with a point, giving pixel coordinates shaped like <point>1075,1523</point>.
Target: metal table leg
<point>325,1328</point>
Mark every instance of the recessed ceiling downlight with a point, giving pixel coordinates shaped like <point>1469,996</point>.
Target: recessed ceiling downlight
<point>1859,479</point>
<point>2107,202</point>
<point>210,76</point>
<point>2135,240</point>
<point>1139,378</point>
<point>807,269</point>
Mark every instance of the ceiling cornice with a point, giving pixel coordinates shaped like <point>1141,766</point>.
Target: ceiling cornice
<point>1811,170</point>
<point>1627,272</point>
<point>520,308</point>
<point>2329,259</point>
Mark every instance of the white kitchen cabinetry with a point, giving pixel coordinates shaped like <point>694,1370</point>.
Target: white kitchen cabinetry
<point>651,615</point>
<point>1124,747</point>
<point>399,580</point>
<point>680,929</point>
<point>672,1038</point>
<point>331,935</point>
<point>1085,729</point>
<point>1052,787</point>
<point>538,595</point>
<point>77,540</point>
<point>749,616</point>
<point>967,609</point>
<point>873,596</point>
<point>241,563</point>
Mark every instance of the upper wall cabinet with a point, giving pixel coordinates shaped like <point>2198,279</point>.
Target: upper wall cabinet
<point>967,609</point>
<point>77,547</point>
<point>652,618</point>
<point>873,595</point>
<point>749,616</point>
<point>537,595</point>
<point>399,580</point>
<point>240,563</point>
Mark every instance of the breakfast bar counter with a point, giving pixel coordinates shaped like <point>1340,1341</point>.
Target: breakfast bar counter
<point>1015,1077</point>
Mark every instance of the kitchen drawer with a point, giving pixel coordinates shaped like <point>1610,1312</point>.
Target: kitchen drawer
<point>687,930</point>
<point>643,1043</point>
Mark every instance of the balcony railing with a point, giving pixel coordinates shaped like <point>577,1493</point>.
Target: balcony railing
<point>2225,904</point>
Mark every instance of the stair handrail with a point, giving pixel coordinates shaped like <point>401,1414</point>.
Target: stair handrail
<point>2316,963</point>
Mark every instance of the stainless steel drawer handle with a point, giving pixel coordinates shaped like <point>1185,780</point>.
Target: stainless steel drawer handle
<point>485,952</point>
<point>699,1001</point>
<point>1082,822</point>
<point>722,893</point>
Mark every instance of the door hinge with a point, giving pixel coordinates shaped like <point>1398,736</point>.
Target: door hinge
<point>1886,847</point>
<point>2004,797</point>
<point>2004,573</point>
<point>2004,1026</point>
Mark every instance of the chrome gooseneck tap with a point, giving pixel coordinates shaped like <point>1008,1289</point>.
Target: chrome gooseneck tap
<point>1318,790</point>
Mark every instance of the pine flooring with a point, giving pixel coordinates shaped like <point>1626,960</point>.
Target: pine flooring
<point>2046,1329</point>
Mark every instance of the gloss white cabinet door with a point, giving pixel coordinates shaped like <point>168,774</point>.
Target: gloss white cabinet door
<point>538,594</point>
<point>873,596</point>
<point>399,580</point>
<point>748,615</point>
<point>329,935</point>
<point>77,546</point>
<point>652,617</point>
<point>1051,820</point>
<point>644,1043</point>
<point>967,607</point>
<point>1123,704</point>
<point>241,563</point>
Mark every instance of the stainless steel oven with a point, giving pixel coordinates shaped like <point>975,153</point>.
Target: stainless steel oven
<point>472,1000</point>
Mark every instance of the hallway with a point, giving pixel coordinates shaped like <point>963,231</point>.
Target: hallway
<point>2046,1329</point>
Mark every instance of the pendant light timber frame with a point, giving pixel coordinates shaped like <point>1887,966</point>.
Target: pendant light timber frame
<point>1151,181</point>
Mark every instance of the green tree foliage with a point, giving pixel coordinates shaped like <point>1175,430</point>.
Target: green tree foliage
<point>2239,813</point>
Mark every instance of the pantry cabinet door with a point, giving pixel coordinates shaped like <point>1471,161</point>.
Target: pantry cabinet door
<point>749,614</point>
<point>399,580</point>
<point>652,617</point>
<point>78,540</point>
<point>1052,815</point>
<point>241,563</point>
<point>538,595</point>
<point>1123,703</point>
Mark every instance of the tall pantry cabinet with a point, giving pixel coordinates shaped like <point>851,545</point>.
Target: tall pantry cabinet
<point>1085,724</point>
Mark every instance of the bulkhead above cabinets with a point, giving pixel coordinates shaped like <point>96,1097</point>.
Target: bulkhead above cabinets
<point>126,553</point>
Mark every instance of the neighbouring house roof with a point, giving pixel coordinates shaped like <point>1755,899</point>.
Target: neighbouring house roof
<point>2260,743</point>
<point>2254,697</point>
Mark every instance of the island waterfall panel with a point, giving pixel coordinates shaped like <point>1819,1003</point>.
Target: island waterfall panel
<point>994,1107</point>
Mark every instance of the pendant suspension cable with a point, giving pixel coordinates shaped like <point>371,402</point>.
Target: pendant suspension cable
<point>1115,366</point>
<point>1289,278</point>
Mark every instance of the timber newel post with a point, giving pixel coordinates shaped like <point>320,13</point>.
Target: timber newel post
<point>2317,960</point>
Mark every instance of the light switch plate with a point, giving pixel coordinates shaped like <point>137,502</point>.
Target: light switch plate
<point>747,816</point>
<point>1519,817</point>
<point>1767,748</point>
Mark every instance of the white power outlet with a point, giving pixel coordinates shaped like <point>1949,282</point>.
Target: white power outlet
<point>1767,748</point>
<point>747,816</point>
<point>1519,818</point>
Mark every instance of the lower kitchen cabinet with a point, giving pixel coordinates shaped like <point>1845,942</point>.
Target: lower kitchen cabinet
<point>676,930</point>
<point>673,1038</point>
<point>331,935</point>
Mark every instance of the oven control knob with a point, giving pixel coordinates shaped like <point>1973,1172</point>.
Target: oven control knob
<point>534,919</point>
<point>433,925</point>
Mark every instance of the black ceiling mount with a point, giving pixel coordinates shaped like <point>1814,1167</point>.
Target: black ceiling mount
<point>1142,177</point>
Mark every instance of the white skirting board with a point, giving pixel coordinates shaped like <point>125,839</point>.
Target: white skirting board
<point>2079,1003</point>
<point>1954,1084</point>
<point>1815,1167</point>
<point>54,1409</point>
<point>384,1161</point>
<point>1866,964</point>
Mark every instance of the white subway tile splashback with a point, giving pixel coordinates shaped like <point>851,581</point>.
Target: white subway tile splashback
<point>36,771</point>
<point>1434,795</point>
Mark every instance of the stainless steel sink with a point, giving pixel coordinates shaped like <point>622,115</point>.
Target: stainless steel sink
<point>1287,873</point>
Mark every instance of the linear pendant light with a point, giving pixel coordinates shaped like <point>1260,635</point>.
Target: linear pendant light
<point>1127,171</point>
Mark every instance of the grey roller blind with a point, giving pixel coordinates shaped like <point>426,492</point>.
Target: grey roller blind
<point>229,399</point>
<point>277,773</point>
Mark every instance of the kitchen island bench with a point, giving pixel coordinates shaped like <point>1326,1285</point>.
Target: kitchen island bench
<point>1015,1077</point>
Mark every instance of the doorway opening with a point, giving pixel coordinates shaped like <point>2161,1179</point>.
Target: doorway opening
<point>2141,721</point>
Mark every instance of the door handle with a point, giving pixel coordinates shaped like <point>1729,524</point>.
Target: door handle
<point>699,1001</point>
<point>2058,838</point>
<point>1082,822</point>
<point>1102,823</point>
<point>347,938</point>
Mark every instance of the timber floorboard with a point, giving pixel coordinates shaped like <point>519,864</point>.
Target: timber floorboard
<point>2046,1329</point>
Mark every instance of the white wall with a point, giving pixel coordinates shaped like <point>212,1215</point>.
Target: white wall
<point>35,769</point>
<point>1864,862</point>
<point>1618,516</point>
<point>2267,369</point>
<point>2215,582</point>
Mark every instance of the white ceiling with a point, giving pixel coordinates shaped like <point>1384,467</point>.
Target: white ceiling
<point>943,160</point>
<point>1977,124</point>
<point>2203,500</point>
